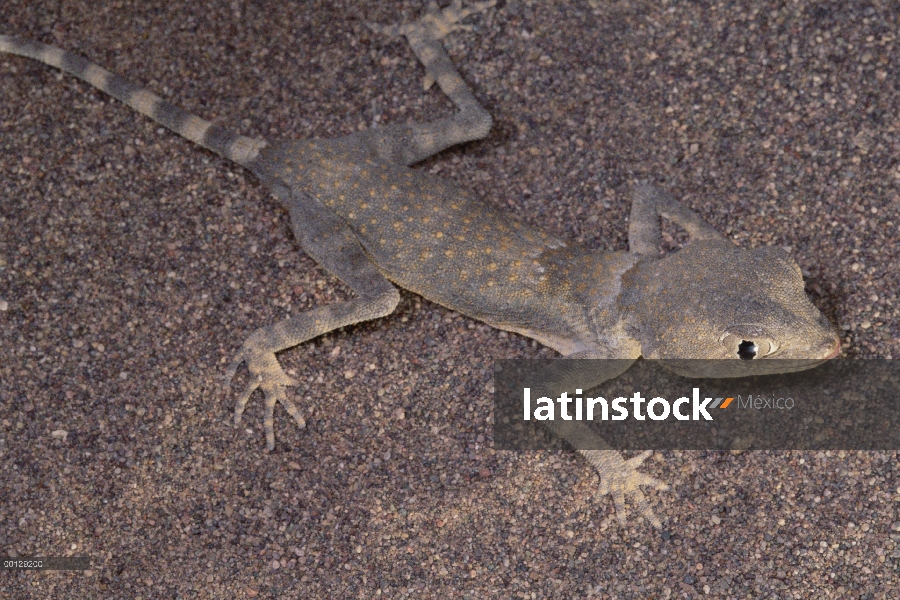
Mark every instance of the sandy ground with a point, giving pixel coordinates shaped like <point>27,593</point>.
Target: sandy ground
<point>133,265</point>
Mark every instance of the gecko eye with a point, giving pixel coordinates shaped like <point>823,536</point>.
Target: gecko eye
<point>748,347</point>
<point>747,350</point>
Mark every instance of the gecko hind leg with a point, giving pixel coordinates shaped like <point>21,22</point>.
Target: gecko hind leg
<point>331,243</point>
<point>407,144</point>
<point>648,204</point>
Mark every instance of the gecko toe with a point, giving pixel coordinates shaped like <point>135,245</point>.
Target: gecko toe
<point>242,400</point>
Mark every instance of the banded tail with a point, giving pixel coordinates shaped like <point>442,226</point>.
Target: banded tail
<point>240,149</point>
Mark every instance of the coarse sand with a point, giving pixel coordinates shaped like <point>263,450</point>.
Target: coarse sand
<point>134,264</point>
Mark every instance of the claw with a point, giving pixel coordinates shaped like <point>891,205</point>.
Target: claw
<point>619,503</point>
<point>292,410</point>
<point>635,461</point>
<point>233,367</point>
<point>241,403</point>
<point>269,418</point>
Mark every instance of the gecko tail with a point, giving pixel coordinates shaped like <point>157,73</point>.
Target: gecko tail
<point>242,150</point>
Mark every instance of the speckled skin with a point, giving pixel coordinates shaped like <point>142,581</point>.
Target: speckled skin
<point>359,211</point>
<point>421,230</point>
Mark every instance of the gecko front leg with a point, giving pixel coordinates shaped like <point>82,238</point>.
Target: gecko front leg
<point>619,477</point>
<point>328,240</point>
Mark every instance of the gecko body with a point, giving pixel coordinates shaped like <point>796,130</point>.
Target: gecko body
<point>362,213</point>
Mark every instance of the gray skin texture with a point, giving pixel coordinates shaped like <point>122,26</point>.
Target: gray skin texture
<point>359,210</point>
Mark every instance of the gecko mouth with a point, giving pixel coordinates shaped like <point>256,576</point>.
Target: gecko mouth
<point>834,353</point>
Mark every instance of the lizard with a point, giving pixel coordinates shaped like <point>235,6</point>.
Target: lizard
<point>362,213</point>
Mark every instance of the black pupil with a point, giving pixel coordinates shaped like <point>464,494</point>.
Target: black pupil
<point>747,350</point>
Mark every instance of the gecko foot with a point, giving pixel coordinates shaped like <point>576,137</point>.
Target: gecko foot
<point>433,26</point>
<point>620,478</point>
<point>267,375</point>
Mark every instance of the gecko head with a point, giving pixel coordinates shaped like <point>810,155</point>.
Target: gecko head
<point>714,300</point>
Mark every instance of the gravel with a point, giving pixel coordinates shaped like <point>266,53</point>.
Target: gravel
<point>133,265</point>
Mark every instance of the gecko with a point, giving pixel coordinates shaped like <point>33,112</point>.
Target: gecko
<point>361,212</point>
